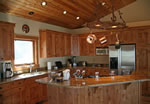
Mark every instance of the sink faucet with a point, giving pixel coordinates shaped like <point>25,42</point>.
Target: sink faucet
<point>30,68</point>
<point>79,74</point>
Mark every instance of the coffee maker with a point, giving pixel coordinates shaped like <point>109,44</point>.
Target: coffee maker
<point>6,70</point>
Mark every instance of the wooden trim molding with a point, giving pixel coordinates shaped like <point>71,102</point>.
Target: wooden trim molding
<point>35,49</point>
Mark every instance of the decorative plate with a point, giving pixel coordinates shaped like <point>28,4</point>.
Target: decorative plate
<point>25,28</point>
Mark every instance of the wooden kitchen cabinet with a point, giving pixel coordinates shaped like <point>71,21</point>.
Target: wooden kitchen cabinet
<point>47,43</point>
<point>67,45</point>
<point>34,92</point>
<point>11,93</point>
<point>25,91</point>
<point>83,47</point>
<point>6,41</point>
<point>145,92</point>
<point>86,49</point>
<point>142,59</point>
<point>54,44</point>
<point>12,96</point>
<point>59,44</point>
<point>75,45</point>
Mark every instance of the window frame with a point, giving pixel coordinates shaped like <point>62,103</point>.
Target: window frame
<point>35,51</point>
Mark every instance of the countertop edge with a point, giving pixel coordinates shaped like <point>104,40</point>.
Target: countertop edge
<point>93,85</point>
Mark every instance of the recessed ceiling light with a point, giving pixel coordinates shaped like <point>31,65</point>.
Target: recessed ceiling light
<point>31,13</point>
<point>103,3</point>
<point>64,12</point>
<point>43,3</point>
<point>97,25</point>
<point>114,26</point>
<point>78,18</point>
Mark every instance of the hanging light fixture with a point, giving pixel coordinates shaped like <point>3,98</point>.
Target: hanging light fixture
<point>113,24</point>
<point>106,25</point>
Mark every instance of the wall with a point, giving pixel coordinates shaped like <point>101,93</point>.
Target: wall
<point>34,31</point>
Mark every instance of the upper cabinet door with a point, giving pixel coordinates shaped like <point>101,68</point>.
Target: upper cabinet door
<point>67,48</point>
<point>75,45</point>
<point>47,44</point>
<point>54,44</point>
<point>50,44</point>
<point>59,45</point>
<point>6,41</point>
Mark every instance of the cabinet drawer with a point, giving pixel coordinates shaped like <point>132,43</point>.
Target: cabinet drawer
<point>10,92</point>
<point>6,86</point>
<point>18,83</point>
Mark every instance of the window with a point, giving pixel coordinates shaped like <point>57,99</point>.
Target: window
<point>25,50</point>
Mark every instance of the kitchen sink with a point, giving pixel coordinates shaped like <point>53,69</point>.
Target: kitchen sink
<point>26,75</point>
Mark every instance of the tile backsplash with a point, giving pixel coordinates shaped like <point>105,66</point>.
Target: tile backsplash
<point>43,61</point>
<point>89,59</point>
<point>94,59</point>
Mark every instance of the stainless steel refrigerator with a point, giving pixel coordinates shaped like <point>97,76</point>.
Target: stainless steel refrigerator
<point>123,58</point>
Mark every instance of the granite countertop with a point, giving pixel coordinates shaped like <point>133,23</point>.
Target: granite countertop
<point>27,75</point>
<point>93,82</point>
<point>23,76</point>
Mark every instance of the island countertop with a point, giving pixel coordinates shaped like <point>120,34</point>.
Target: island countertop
<point>95,82</point>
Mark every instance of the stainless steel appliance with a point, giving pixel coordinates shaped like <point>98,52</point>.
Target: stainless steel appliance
<point>123,58</point>
<point>102,51</point>
<point>6,69</point>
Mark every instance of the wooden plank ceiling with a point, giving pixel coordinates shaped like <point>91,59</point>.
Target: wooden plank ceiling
<point>52,13</point>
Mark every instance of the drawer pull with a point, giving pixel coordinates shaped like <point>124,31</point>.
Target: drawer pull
<point>1,88</point>
<point>1,95</point>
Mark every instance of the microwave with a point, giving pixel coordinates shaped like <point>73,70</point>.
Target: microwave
<point>102,51</point>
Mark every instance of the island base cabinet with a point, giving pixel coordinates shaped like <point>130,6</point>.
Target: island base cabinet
<point>113,94</point>
<point>145,92</point>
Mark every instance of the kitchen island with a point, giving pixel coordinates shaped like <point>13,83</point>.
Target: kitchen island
<point>104,90</point>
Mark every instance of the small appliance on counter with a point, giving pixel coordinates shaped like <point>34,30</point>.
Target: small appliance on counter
<point>66,74</point>
<point>74,61</point>
<point>58,64</point>
<point>6,69</point>
<point>69,63</point>
<point>49,66</point>
<point>82,63</point>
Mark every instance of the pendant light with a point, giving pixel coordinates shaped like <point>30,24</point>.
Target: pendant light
<point>91,38</point>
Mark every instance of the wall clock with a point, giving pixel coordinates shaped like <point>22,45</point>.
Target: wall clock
<point>25,28</point>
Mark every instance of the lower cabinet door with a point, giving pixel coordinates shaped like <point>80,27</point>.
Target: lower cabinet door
<point>34,93</point>
<point>13,96</point>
